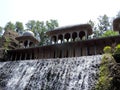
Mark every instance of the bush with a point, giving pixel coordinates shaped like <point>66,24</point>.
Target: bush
<point>117,49</point>
<point>107,49</point>
<point>105,79</point>
<point>116,53</point>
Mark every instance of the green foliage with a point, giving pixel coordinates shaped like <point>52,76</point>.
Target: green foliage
<point>31,25</point>
<point>117,49</point>
<point>107,49</point>
<point>110,33</point>
<point>52,24</point>
<point>104,23</point>
<point>19,27</point>
<point>1,29</point>
<point>7,42</point>
<point>39,28</point>
<point>9,26</point>
<point>116,53</point>
<point>104,81</point>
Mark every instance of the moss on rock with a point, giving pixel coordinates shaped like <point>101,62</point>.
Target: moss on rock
<point>105,78</point>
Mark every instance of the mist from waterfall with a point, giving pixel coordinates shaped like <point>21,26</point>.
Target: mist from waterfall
<point>78,73</point>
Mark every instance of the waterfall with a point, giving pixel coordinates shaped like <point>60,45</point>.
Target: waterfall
<point>77,73</point>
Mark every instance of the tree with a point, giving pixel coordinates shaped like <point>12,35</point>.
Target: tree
<point>104,23</point>
<point>31,25</point>
<point>39,28</point>
<point>51,24</point>
<point>96,32</point>
<point>9,26</point>
<point>19,27</point>
<point>92,23</point>
<point>110,33</point>
<point>1,29</point>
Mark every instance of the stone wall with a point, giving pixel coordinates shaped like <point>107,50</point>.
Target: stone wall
<point>65,50</point>
<point>8,41</point>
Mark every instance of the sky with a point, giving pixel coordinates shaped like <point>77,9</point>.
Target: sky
<point>66,12</point>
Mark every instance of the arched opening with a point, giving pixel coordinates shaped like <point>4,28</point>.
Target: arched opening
<point>25,43</point>
<point>67,36</point>
<point>74,36</point>
<point>60,38</point>
<point>20,43</point>
<point>82,35</point>
<point>31,44</point>
<point>54,40</point>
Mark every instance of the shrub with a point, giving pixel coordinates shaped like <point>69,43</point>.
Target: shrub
<point>117,49</point>
<point>105,78</point>
<point>107,49</point>
<point>116,53</point>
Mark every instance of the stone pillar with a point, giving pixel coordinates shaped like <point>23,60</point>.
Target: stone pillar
<point>56,39</point>
<point>78,38</point>
<point>95,49</point>
<point>28,44</point>
<point>50,40</point>
<point>86,34</point>
<point>63,38</point>
<point>71,37</point>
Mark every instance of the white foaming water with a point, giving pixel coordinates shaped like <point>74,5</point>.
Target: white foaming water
<point>76,73</point>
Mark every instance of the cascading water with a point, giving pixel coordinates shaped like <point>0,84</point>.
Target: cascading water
<point>76,73</point>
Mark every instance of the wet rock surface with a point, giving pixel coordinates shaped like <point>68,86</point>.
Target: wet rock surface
<point>77,73</point>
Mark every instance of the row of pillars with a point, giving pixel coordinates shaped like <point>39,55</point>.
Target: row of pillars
<point>69,52</point>
<point>21,56</point>
<point>69,37</point>
<point>26,43</point>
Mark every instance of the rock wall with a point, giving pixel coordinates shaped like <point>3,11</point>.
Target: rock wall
<point>8,41</point>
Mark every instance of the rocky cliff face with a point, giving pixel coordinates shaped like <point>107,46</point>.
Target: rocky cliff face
<point>8,41</point>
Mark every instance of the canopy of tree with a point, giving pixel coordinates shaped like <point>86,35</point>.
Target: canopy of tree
<point>103,27</point>
<point>39,28</point>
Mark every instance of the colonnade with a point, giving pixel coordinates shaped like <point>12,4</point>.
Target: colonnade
<point>69,37</point>
<point>21,56</point>
<point>72,50</point>
<point>26,43</point>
